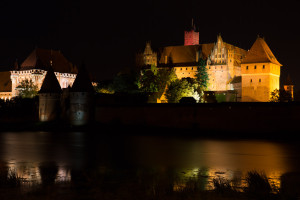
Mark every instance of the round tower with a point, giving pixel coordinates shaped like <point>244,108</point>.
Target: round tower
<point>81,99</point>
<point>49,98</point>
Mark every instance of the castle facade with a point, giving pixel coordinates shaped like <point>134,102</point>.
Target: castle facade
<point>35,68</point>
<point>249,74</point>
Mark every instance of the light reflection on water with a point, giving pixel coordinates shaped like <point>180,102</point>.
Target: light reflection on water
<point>26,152</point>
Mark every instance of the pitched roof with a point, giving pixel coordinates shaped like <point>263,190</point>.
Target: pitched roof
<point>260,53</point>
<point>50,83</point>
<point>235,79</point>
<point>82,82</point>
<point>41,59</point>
<point>5,82</point>
<point>184,54</point>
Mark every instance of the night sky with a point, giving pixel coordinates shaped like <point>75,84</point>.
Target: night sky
<point>106,36</point>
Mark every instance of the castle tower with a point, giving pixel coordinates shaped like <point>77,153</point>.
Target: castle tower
<point>289,87</point>
<point>150,57</point>
<point>260,73</point>
<point>49,98</point>
<point>191,37</point>
<point>81,99</point>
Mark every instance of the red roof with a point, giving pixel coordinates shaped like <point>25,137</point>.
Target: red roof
<point>260,53</point>
<point>41,59</point>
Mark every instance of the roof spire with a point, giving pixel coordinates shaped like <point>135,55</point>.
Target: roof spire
<point>51,61</point>
<point>16,64</point>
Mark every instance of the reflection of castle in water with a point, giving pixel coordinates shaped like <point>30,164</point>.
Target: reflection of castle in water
<point>205,176</point>
<point>63,155</point>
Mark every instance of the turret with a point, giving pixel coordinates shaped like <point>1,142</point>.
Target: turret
<point>191,37</point>
<point>289,87</point>
<point>49,98</point>
<point>81,99</point>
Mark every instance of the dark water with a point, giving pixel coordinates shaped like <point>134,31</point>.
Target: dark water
<point>175,158</point>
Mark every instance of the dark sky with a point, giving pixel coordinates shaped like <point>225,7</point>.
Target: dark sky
<point>107,35</point>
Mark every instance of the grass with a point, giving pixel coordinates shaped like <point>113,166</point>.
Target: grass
<point>145,185</point>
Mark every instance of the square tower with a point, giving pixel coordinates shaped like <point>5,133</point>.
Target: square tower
<point>260,73</point>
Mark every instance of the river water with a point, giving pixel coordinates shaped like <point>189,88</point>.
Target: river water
<point>178,159</point>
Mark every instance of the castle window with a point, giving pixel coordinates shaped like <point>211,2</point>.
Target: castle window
<point>260,80</point>
<point>254,66</point>
<point>250,80</point>
<point>247,67</point>
<point>263,66</point>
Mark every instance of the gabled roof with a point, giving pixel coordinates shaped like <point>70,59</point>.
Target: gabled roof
<point>41,59</point>
<point>50,83</point>
<point>184,54</point>
<point>260,53</point>
<point>5,82</point>
<point>82,82</point>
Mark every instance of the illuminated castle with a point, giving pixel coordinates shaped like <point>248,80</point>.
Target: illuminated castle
<point>34,68</point>
<point>250,75</point>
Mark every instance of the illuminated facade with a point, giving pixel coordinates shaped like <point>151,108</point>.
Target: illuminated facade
<point>260,73</point>
<point>35,68</point>
<point>223,63</point>
<point>149,56</point>
<point>250,75</point>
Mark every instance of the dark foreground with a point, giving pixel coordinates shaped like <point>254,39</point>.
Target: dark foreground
<point>145,185</point>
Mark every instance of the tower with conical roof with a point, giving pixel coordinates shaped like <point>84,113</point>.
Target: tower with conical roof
<point>81,99</point>
<point>260,73</point>
<point>49,98</point>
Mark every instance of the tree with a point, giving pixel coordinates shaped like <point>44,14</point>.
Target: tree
<point>201,77</point>
<point>125,83</point>
<point>181,88</point>
<point>156,80</point>
<point>148,82</point>
<point>280,96</point>
<point>27,89</point>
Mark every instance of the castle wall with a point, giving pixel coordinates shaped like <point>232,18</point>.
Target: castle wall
<point>240,117</point>
<point>81,108</point>
<point>49,107</point>
<point>218,77</point>
<point>37,76</point>
<point>259,80</point>
<point>185,72</point>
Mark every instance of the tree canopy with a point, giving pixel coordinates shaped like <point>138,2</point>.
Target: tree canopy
<point>181,88</point>
<point>27,89</point>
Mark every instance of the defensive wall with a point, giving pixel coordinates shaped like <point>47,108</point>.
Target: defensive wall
<point>240,117</point>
